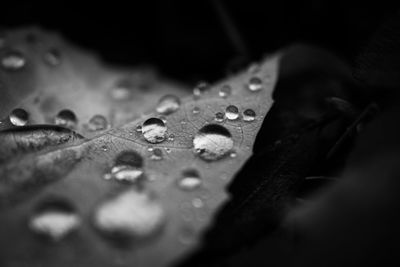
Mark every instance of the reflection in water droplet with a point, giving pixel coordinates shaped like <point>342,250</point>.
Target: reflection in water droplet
<point>52,57</point>
<point>139,128</point>
<point>66,118</point>
<point>154,130</point>
<point>157,154</point>
<point>97,123</point>
<point>128,167</point>
<point>171,137</point>
<point>225,91</point>
<point>54,219</point>
<point>19,117</point>
<point>131,214</point>
<point>190,180</point>
<point>196,110</point>
<point>197,203</point>
<point>13,60</point>
<point>212,142</point>
<point>219,117</point>
<point>200,88</point>
<point>168,104</point>
<point>249,115</point>
<point>255,84</point>
<point>232,112</point>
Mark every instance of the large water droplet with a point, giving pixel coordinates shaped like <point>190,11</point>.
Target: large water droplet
<point>54,219</point>
<point>213,142</point>
<point>52,57</point>
<point>66,118</point>
<point>249,115</point>
<point>154,130</point>
<point>128,167</point>
<point>219,117</point>
<point>200,88</point>
<point>190,180</point>
<point>19,117</point>
<point>97,123</point>
<point>13,60</point>
<point>255,84</point>
<point>168,104</point>
<point>232,112</point>
<point>131,214</point>
<point>225,91</point>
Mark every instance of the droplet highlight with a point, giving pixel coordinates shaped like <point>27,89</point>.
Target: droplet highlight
<point>13,60</point>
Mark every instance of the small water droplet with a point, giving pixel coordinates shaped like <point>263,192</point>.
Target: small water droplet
<point>168,104</point>
<point>212,142</point>
<point>190,180</point>
<point>168,150</point>
<point>200,88</point>
<point>197,203</point>
<point>249,115</point>
<point>233,154</point>
<point>13,60</point>
<point>225,91</point>
<point>150,148</point>
<point>154,130</point>
<point>122,90</point>
<point>139,128</point>
<point>157,154</point>
<point>171,137</point>
<point>104,148</point>
<point>52,57</point>
<point>54,219</point>
<point>232,112</point>
<point>132,214</point>
<point>128,167</point>
<point>97,123</point>
<point>66,118</point>
<point>255,84</point>
<point>19,117</point>
<point>196,110</point>
<point>219,117</point>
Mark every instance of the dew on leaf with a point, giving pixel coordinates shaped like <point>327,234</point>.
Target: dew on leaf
<point>66,118</point>
<point>132,214</point>
<point>54,219</point>
<point>154,130</point>
<point>168,104</point>
<point>225,91</point>
<point>232,112</point>
<point>249,115</point>
<point>200,88</point>
<point>97,123</point>
<point>19,117</point>
<point>52,57</point>
<point>196,110</point>
<point>13,60</point>
<point>219,117</point>
<point>122,90</point>
<point>255,84</point>
<point>212,142</point>
<point>233,154</point>
<point>157,154</point>
<point>171,137</point>
<point>128,167</point>
<point>190,180</point>
<point>139,128</point>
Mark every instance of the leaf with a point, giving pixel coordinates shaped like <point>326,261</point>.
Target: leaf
<point>81,84</point>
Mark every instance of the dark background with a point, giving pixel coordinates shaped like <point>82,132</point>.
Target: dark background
<point>189,40</point>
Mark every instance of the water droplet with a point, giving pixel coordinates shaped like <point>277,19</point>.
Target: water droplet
<point>157,154</point>
<point>66,118</point>
<point>13,60</point>
<point>52,57</point>
<point>255,84</point>
<point>139,128</point>
<point>154,130</point>
<point>54,219</point>
<point>200,88</point>
<point>197,203</point>
<point>122,90</point>
<point>19,117</point>
<point>171,137</point>
<point>97,123</point>
<point>213,142</point>
<point>150,148</point>
<point>232,112</point>
<point>168,104</point>
<point>196,110</point>
<point>249,115</point>
<point>225,91</point>
<point>104,148</point>
<point>168,150</point>
<point>128,167</point>
<point>131,214</point>
<point>190,180</point>
<point>219,117</point>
